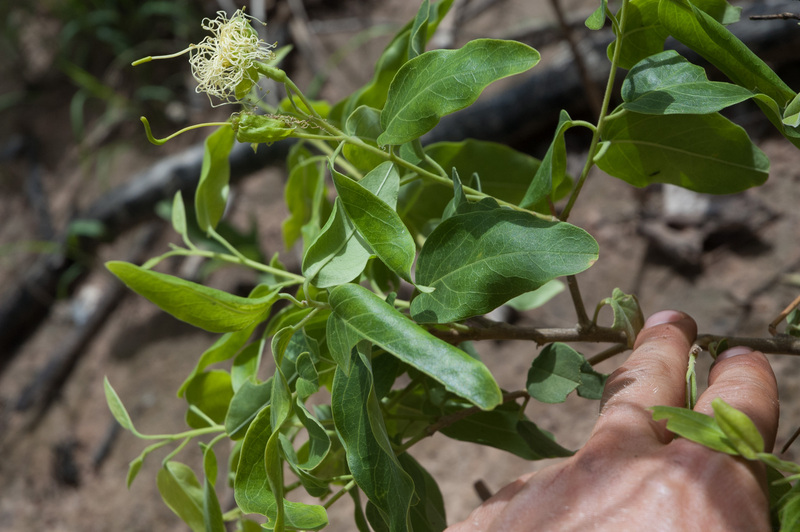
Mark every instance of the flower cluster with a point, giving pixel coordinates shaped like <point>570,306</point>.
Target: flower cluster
<point>224,63</point>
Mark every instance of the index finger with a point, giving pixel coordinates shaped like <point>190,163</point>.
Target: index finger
<point>655,374</point>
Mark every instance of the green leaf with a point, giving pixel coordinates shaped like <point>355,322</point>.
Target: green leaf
<point>502,428</point>
<point>319,444</point>
<point>598,18</point>
<point>182,492</point>
<point>117,408</point>
<point>479,260</point>
<point>364,123</point>
<point>246,403</point>
<point>179,215</point>
<point>245,365</point>
<point>207,308</point>
<point>224,348</point>
<point>211,392</point>
<point>304,195</point>
<point>740,430</point>
<point>789,512</point>
<point>555,373</point>
<point>695,426</point>
<point>441,82</point>
<point>793,323</point>
<point>666,83</point>
<point>365,315</point>
<point>133,470</point>
<point>700,32</point>
<point>393,57</point>
<point>370,456</point>
<point>628,315</point>
<point>377,221</point>
<point>592,382</point>
<point>428,514</point>
<point>339,253</point>
<point>212,512</point>
<point>211,196</point>
<point>553,169</point>
<point>538,297</point>
<point>704,153</point>
<point>251,480</point>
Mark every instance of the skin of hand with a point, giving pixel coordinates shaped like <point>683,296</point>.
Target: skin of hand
<point>633,474</point>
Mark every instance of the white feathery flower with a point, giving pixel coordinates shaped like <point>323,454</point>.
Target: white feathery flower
<point>224,61</point>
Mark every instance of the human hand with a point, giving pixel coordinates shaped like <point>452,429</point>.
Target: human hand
<point>633,474</point>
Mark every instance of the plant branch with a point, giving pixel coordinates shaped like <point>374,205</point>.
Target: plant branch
<point>577,300</point>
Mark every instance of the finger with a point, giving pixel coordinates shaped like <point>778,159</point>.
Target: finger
<point>655,374</point>
<point>744,379</point>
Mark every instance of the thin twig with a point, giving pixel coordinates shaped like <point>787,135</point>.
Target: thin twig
<point>777,16</point>
<point>608,353</point>
<point>574,290</point>
<point>773,327</point>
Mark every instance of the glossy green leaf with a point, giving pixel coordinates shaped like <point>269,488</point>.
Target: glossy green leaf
<point>479,260</point>
<point>211,392</point>
<point>740,430</point>
<point>246,403</point>
<point>115,405</point>
<point>251,481</point>
<point>428,514</point>
<point>666,83</point>
<point>628,315</point>
<point>211,196</point>
<point>182,492</point>
<point>538,297</point>
<point>695,426</point>
<point>703,34</point>
<point>198,305</point>
<point>340,253</point>
<point>502,428</point>
<point>441,82</point>
<point>370,456</point>
<point>304,195</point>
<point>377,222</point>
<point>363,315</point>
<point>553,169</point>
<point>704,153</point>
<point>555,373</point>
<point>224,348</point>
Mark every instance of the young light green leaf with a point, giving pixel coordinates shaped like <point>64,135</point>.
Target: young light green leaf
<point>479,260</point>
<point>117,408</point>
<point>377,222</point>
<point>708,37</point>
<point>224,348</point>
<point>133,470</point>
<point>182,492</point>
<point>789,512</point>
<point>370,456</point>
<point>364,123</point>
<point>666,83</point>
<point>503,429</point>
<point>628,315</point>
<point>211,196</point>
<point>695,426</point>
<point>598,18</point>
<point>555,373</point>
<point>636,149</point>
<point>553,169</point>
<point>251,479</point>
<point>211,392</point>
<point>538,297</point>
<point>207,308</point>
<point>179,215</point>
<point>740,430</point>
<point>363,315</point>
<point>212,512</point>
<point>441,82</point>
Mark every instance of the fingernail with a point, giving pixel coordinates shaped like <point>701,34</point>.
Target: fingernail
<point>734,351</point>
<point>662,317</point>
